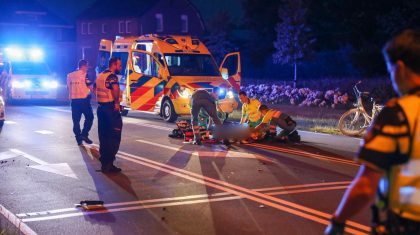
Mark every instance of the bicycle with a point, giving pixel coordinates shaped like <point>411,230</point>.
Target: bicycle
<point>356,120</point>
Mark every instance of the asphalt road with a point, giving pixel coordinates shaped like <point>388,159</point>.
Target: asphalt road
<point>168,187</point>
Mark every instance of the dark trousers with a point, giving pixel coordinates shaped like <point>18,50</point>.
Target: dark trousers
<point>210,108</point>
<point>109,130</point>
<point>79,107</point>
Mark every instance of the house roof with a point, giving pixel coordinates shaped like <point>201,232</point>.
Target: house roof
<point>121,8</point>
<point>12,12</point>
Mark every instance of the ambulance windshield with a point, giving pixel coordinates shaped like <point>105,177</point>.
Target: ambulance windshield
<point>32,68</point>
<point>191,65</point>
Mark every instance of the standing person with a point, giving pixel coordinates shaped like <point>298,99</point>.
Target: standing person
<point>275,118</point>
<point>250,113</point>
<point>80,87</point>
<point>390,151</point>
<point>107,92</point>
<point>201,99</point>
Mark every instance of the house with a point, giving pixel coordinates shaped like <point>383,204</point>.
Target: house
<point>106,19</point>
<point>27,23</point>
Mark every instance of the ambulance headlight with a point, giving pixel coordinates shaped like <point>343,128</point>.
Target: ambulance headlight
<point>22,84</point>
<point>184,92</point>
<point>52,84</point>
<point>229,95</point>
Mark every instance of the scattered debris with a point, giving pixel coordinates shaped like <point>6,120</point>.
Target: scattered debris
<point>259,169</point>
<point>91,205</point>
<point>164,208</point>
<point>262,206</point>
<point>162,218</point>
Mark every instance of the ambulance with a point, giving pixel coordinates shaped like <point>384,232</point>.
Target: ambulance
<point>160,73</point>
<point>28,75</point>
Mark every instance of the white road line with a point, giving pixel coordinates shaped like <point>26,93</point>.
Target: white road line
<point>30,157</point>
<point>23,228</point>
<point>277,203</point>
<point>55,109</point>
<point>45,132</point>
<point>283,190</point>
<point>225,154</point>
<point>10,122</point>
<point>189,198</point>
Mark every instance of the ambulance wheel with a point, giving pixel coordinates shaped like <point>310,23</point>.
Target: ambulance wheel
<point>124,112</point>
<point>168,112</point>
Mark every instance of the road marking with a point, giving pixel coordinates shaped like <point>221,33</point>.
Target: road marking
<point>45,132</point>
<point>225,154</point>
<point>23,228</point>
<point>304,154</point>
<point>55,109</point>
<point>59,168</point>
<point>267,200</point>
<point>189,198</point>
<point>10,122</point>
<point>7,155</point>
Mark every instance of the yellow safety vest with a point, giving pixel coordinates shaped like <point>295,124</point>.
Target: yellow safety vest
<point>251,110</point>
<point>76,82</point>
<point>103,94</point>
<point>271,114</point>
<point>393,145</point>
<point>404,185</point>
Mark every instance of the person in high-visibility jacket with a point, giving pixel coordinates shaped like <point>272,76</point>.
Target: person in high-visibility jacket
<point>202,99</point>
<point>390,151</point>
<point>275,118</point>
<point>80,88</point>
<point>250,113</point>
<point>110,124</point>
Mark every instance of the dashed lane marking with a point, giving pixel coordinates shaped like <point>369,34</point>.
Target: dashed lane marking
<point>45,132</point>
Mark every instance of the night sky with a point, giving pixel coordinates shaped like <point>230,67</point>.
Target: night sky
<point>67,9</point>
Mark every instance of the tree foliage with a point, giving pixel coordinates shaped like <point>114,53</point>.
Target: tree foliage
<point>218,38</point>
<point>293,43</point>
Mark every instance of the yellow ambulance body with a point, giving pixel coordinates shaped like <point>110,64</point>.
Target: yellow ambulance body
<point>160,73</point>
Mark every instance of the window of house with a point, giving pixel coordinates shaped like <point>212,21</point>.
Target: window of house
<point>104,28</point>
<point>83,29</point>
<point>159,23</point>
<point>121,25</point>
<point>89,28</point>
<point>127,26</point>
<point>184,23</point>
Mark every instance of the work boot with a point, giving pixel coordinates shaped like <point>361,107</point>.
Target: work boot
<point>79,141</point>
<point>197,142</point>
<point>227,143</point>
<point>87,140</point>
<point>110,168</point>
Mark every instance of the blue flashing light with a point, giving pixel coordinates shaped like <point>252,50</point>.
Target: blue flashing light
<point>36,54</point>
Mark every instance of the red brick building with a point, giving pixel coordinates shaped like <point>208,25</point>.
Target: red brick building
<point>106,19</point>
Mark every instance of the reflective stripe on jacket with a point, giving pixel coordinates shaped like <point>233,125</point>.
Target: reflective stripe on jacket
<point>103,94</point>
<point>404,185</point>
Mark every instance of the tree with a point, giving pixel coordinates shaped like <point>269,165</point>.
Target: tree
<point>218,37</point>
<point>293,42</point>
<point>260,17</point>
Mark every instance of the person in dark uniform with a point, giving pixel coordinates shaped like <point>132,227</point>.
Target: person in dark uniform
<point>390,151</point>
<point>201,99</point>
<point>110,124</point>
<point>80,87</point>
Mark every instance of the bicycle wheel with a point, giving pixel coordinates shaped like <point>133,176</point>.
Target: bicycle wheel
<point>352,123</point>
